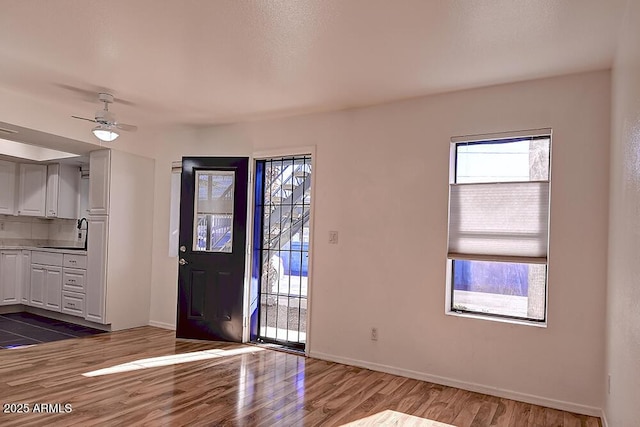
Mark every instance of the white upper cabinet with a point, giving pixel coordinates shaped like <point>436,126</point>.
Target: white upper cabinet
<point>62,191</point>
<point>99,182</point>
<point>32,190</point>
<point>7,187</point>
<point>53,190</point>
<point>84,196</point>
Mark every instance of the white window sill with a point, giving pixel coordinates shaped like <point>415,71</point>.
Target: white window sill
<point>496,319</point>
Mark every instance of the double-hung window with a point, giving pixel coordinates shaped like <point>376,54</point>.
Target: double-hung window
<point>499,225</point>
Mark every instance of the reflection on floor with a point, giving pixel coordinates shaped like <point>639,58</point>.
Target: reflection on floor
<point>21,329</point>
<point>145,377</point>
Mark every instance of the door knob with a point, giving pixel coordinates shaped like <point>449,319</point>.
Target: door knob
<point>182,261</point>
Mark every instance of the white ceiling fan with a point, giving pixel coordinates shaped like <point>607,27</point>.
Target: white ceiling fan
<point>108,126</point>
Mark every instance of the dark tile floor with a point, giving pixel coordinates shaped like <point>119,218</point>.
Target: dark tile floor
<point>19,329</point>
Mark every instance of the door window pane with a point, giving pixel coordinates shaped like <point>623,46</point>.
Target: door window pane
<point>213,222</point>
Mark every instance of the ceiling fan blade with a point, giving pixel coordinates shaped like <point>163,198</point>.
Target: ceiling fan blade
<point>91,93</point>
<point>84,118</point>
<point>124,126</point>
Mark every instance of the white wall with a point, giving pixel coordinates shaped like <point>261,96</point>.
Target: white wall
<point>623,296</point>
<point>129,258</point>
<point>168,147</point>
<point>381,180</point>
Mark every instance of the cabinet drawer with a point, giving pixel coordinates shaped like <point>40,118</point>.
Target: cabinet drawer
<point>75,261</point>
<point>46,258</point>
<point>73,303</point>
<point>73,279</point>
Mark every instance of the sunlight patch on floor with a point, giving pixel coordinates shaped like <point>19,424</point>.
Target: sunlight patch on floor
<point>172,359</point>
<point>395,418</point>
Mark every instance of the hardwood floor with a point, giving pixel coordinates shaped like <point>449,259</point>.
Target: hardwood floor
<point>145,377</point>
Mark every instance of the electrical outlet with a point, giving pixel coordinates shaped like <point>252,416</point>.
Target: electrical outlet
<point>374,334</point>
<point>333,237</point>
<point>79,234</point>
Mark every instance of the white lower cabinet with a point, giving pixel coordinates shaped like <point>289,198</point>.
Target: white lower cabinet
<point>73,287</point>
<point>49,280</point>
<point>46,280</point>
<point>41,283</point>
<point>53,288</point>
<point>26,277</point>
<point>96,270</point>
<point>73,303</point>
<point>57,282</point>
<point>37,291</point>
<point>73,280</point>
<point>10,277</point>
<point>46,286</point>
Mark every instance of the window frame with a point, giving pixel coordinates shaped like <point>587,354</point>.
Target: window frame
<point>487,139</point>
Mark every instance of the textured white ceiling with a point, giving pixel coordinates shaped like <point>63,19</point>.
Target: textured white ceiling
<point>216,61</point>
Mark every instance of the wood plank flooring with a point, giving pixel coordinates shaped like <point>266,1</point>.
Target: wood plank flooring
<point>144,377</point>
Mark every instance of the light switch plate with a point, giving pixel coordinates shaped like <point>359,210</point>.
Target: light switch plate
<point>333,237</point>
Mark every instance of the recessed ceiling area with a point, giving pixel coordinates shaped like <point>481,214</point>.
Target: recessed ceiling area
<point>31,152</point>
<point>23,143</point>
<point>211,62</point>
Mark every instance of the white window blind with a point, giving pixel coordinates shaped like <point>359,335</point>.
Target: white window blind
<point>500,221</point>
<point>174,213</point>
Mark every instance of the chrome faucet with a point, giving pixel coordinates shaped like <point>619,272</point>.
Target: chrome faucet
<point>86,235</point>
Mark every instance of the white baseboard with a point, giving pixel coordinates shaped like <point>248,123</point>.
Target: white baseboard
<point>603,418</point>
<point>162,325</point>
<point>66,318</point>
<point>478,388</point>
<point>7,309</point>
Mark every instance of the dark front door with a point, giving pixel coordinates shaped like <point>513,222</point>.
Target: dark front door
<point>213,219</point>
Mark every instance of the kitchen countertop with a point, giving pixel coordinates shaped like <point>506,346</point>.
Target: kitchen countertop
<point>42,249</point>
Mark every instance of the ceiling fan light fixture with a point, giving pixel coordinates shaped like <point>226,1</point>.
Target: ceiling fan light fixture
<point>105,133</point>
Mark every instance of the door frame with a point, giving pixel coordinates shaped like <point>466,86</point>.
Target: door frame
<point>309,150</point>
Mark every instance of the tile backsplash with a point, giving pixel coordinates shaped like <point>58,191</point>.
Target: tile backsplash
<point>20,230</point>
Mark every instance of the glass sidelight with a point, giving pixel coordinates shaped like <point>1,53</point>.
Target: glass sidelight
<point>284,209</point>
<point>213,211</point>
